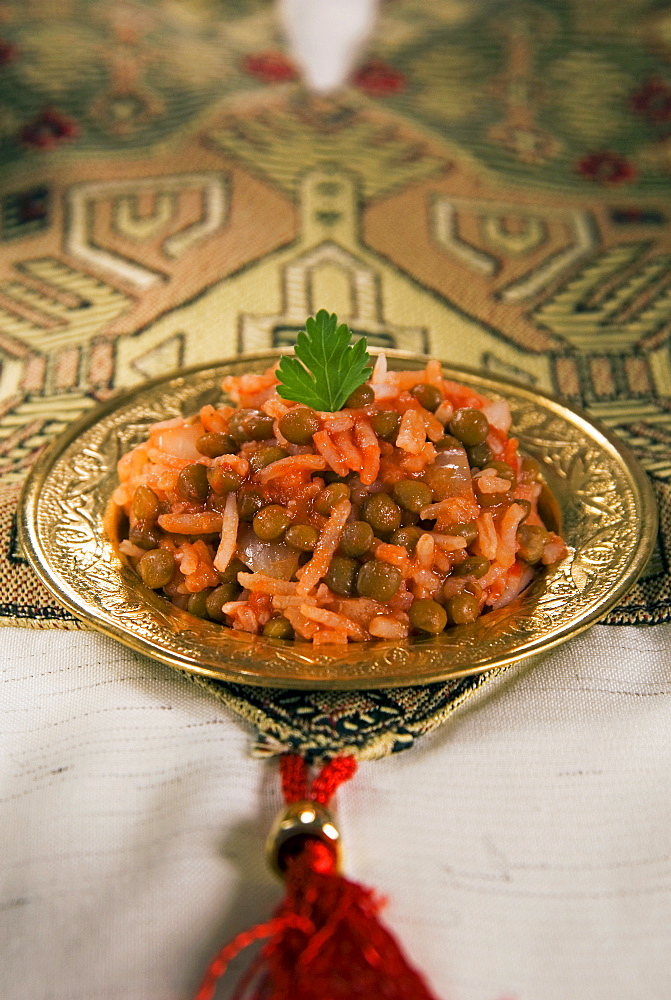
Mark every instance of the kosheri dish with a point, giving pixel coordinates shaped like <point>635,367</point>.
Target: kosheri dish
<point>394,504</point>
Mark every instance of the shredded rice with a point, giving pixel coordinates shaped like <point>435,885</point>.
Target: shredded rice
<point>300,577</point>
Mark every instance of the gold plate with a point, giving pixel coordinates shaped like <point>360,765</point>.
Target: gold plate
<point>605,509</point>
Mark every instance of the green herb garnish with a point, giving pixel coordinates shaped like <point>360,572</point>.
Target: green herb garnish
<point>331,368</point>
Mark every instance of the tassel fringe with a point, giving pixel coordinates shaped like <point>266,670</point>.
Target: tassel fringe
<point>325,941</point>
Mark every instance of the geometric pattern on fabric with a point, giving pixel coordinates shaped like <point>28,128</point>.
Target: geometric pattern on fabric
<point>490,187</point>
<point>319,725</point>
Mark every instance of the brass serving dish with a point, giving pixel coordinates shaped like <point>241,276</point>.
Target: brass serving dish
<point>604,507</point>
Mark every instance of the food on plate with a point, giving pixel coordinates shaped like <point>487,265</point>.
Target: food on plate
<point>335,502</point>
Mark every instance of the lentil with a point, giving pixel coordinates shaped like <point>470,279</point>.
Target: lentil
<point>412,495</point>
<point>146,505</point>
<point>197,603</point>
<point>250,425</point>
<point>156,568</point>
<point>266,455</point>
<point>532,540</point>
<point>357,538</point>
<point>427,616</point>
<point>302,537</point>
<point>249,502</point>
<point>230,574</point>
<point>479,455</point>
<point>278,628</point>
<point>192,482</point>
<point>462,608</point>
<point>299,424</point>
<point>216,443</point>
<point>462,529</point>
<point>223,481</point>
<point>386,423</point>
<point>271,522</point>
<point>407,537</point>
<point>363,396</point>
<point>475,566</point>
<point>221,595</point>
<point>331,497</point>
<point>342,574</point>
<point>383,515</point>
<point>145,535</point>
<point>427,395</point>
<point>378,580</point>
<point>447,441</point>
<point>469,425</point>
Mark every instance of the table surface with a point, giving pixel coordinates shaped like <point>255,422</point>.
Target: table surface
<point>524,846</point>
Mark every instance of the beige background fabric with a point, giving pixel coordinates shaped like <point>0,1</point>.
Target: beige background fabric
<point>525,847</point>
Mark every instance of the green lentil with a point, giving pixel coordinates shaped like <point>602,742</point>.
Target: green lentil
<point>299,424</point>
<point>331,497</point>
<point>412,495</point>
<point>249,502</point>
<point>271,522</point>
<point>230,574</point>
<point>463,608</point>
<point>341,576</point>
<point>503,471</point>
<point>266,455</point>
<point>223,481</point>
<point>491,499</point>
<point>192,482</point>
<point>527,508</point>
<point>302,537</point>
<point>250,425</point>
<point>278,628</point>
<point>532,540</point>
<point>216,443</point>
<point>386,423</point>
<point>145,535</point>
<point>407,537</point>
<point>383,515</point>
<point>218,597</point>
<point>462,529</point>
<point>469,425</point>
<point>479,455</point>
<point>427,616</point>
<point>378,580</point>
<point>447,441</point>
<point>156,568</point>
<point>427,395</point>
<point>357,538</point>
<point>363,396</point>
<point>475,566</point>
<point>146,505</point>
<point>197,603</point>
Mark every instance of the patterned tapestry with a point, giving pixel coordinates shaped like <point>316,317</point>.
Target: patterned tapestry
<point>491,187</point>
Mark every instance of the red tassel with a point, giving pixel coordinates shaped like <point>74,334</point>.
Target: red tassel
<point>325,941</point>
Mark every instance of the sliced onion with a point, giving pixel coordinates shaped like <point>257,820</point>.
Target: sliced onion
<point>456,460</point>
<point>276,559</point>
<point>498,414</point>
<point>179,441</point>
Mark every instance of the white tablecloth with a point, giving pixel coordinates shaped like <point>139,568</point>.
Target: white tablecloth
<point>525,847</point>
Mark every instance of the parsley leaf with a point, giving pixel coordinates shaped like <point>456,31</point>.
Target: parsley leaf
<point>331,367</point>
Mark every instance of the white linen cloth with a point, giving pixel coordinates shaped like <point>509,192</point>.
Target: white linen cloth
<point>525,847</point>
